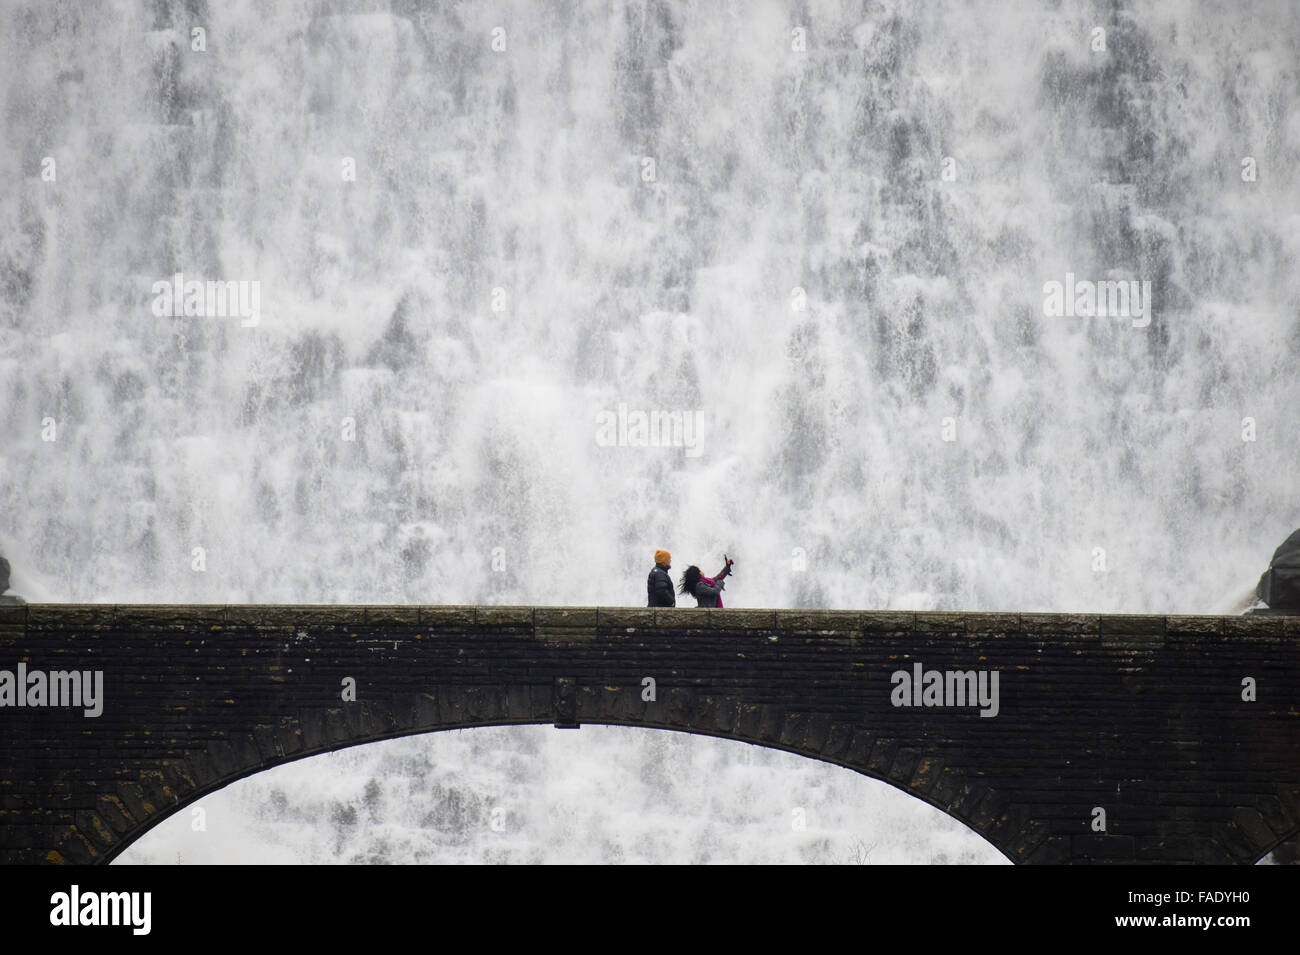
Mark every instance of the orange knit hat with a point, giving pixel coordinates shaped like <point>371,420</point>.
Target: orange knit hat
<point>663,557</point>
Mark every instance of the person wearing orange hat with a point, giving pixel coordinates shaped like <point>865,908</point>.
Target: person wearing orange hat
<point>659,586</point>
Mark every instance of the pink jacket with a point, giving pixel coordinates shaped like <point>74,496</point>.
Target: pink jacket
<point>713,583</point>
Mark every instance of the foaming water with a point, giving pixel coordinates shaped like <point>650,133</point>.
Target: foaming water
<point>540,795</point>
<point>835,256</point>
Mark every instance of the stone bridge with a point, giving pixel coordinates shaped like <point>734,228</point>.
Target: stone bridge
<point>1058,738</point>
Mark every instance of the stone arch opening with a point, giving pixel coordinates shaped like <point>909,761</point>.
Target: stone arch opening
<point>723,804</point>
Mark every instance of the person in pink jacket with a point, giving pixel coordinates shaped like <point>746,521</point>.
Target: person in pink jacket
<point>707,591</point>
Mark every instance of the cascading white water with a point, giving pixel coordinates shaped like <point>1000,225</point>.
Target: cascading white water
<point>832,259</point>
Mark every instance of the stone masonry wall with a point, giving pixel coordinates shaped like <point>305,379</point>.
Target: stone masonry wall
<point>1184,731</point>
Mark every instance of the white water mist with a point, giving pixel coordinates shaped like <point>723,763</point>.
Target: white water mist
<point>823,228</point>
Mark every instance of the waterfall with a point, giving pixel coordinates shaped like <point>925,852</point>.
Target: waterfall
<point>810,243</point>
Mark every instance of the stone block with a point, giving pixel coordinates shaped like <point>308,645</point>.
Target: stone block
<point>1048,623</point>
<point>182,617</point>
<point>888,621</point>
<point>404,618</point>
<point>510,618</point>
<point>999,623</point>
<point>71,616</point>
<point>615,619</point>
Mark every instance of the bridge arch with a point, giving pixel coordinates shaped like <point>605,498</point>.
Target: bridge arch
<point>925,781</point>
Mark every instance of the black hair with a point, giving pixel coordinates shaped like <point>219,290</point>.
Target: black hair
<point>689,580</point>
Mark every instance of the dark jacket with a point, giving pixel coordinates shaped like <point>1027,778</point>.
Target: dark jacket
<point>1280,585</point>
<point>659,588</point>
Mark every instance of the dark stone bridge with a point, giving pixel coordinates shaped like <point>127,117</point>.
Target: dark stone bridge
<point>1183,731</point>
